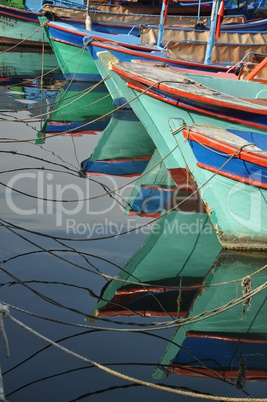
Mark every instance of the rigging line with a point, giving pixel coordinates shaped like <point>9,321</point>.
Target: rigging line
<point>69,262</point>
<point>145,224</point>
<point>108,192</point>
<point>106,114</point>
<point>104,186</point>
<point>75,151</point>
<point>123,269</point>
<point>148,284</point>
<point>75,97</point>
<point>41,295</point>
<point>37,168</point>
<point>59,257</point>
<point>62,250</point>
<point>39,159</point>
<point>123,376</point>
<point>218,310</point>
<point>42,77</point>
<point>157,336</point>
<point>59,65</point>
<point>22,41</point>
<point>18,120</point>
<point>57,156</point>
<point>42,168</point>
<point>100,273</point>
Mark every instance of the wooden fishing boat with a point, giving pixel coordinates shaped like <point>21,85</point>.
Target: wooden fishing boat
<point>164,111</point>
<point>21,25</point>
<point>120,19</point>
<point>124,148</point>
<point>229,346</point>
<point>69,42</point>
<point>171,264</point>
<point>106,54</point>
<point>242,102</point>
<point>239,171</point>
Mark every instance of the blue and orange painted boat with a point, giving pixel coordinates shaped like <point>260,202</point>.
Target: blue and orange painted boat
<point>161,102</point>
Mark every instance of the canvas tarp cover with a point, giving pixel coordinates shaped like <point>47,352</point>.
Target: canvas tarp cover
<point>149,36</point>
<point>226,54</point>
<point>119,15</point>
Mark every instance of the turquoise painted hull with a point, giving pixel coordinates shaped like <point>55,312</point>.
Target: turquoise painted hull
<point>238,210</point>
<point>75,62</point>
<point>246,229</point>
<point>112,87</point>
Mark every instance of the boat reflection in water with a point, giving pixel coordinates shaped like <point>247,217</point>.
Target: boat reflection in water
<point>20,64</point>
<point>224,336</point>
<point>162,278</point>
<point>181,272</point>
<point>153,190</point>
<point>124,148</point>
<point>80,108</point>
<point>175,257</point>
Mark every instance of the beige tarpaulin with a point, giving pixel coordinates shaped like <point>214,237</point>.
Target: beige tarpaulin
<point>223,53</point>
<point>117,14</point>
<point>149,36</point>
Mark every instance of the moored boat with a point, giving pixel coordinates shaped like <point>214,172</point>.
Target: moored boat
<point>165,115</point>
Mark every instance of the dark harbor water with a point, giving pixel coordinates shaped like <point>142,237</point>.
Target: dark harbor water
<point>114,289</point>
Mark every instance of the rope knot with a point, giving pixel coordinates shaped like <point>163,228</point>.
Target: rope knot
<point>241,375</point>
<point>247,288</point>
<point>4,313</point>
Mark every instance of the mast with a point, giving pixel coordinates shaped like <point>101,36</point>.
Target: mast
<point>213,24</point>
<point>163,16</point>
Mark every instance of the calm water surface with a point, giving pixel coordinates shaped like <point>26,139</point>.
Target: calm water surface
<point>89,262</point>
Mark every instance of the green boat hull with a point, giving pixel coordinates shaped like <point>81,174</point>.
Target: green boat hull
<point>236,229</point>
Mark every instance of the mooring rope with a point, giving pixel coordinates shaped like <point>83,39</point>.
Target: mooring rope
<point>121,375</point>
